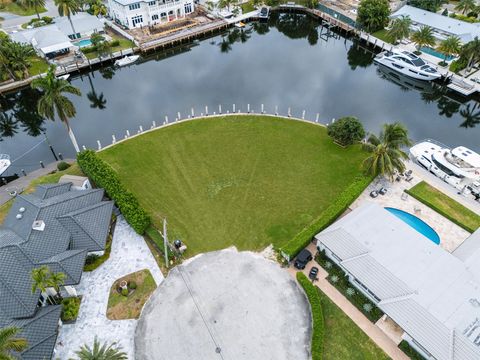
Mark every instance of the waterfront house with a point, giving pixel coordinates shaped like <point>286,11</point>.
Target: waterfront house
<point>56,39</point>
<point>443,26</point>
<point>54,226</point>
<point>433,295</point>
<point>135,13</point>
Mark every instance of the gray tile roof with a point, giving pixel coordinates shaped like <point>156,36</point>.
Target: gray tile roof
<point>62,248</point>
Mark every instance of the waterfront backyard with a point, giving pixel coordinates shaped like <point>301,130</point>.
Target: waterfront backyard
<point>247,181</point>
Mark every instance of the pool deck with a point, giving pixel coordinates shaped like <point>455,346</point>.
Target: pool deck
<point>451,235</point>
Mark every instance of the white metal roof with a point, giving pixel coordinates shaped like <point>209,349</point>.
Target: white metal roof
<point>466,31</point>
<point>432,294</point>
<point>82,22</point>
<point>467,155</point>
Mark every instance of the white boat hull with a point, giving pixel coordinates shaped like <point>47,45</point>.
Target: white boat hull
<point>4,163</point>
<point>405,70</point>
<point>127,60</point>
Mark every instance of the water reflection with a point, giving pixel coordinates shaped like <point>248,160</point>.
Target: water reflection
<point>291,60</point>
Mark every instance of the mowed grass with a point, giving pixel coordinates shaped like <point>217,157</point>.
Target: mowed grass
<point>247,181</point>
<point>445,206</point>
<point>343,339</point>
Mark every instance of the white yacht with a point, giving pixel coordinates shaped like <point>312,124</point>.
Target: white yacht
<point>127,60</point>
<point>459,166</point>
<point>407,64</point>
<point>4,163</point>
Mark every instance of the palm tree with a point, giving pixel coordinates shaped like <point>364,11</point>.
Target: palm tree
<point>450,46</point>
<point>386,151</point>
<point>400,28</point>
<point>423,37</point>
<point>98,8</point>
<point>53,101</point>
<point>34,4</point>
<point>68,8</point>
<point>55,280</point>
<point>471,51</point>
<point>465,6</point>
<point>101,352</point>
<point>40,277</point>
<point>9,342</point>
<point>15,57</point>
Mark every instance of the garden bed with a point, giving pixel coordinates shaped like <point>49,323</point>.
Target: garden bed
<point>70,309</point>
<point>128,303</point>
<point>338,278</point>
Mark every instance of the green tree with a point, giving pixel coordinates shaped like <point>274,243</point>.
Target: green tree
<point>423,37</point>
<point>430,5</point>
<point>400,28</point>
<point>101,352</point>
<point>387,154</point>
<point>15,58</point>
<point>465,6</point>
<point>346,131</point>
<point>33,4</point>
<point>96,38</point>
<point>471,52</point>
<point>40,277</point>
<point>68,8</point>
<point>55,281</point>
<point>450,46</point>
<point>9,342</point>
<point>97,7</point>
<point>373,15</point>
<point>53,101</point>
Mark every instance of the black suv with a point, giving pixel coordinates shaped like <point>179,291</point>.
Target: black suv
<point>302,259</point>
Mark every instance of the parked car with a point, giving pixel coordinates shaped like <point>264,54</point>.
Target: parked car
<point>313,273</point>
<point>302,259</point>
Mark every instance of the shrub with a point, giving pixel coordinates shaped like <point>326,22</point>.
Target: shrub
<point>91,259</point>
<point>89,49</point>
<point>114,43</point>
<point>47,19</point>
<point>463,18</point>
<point>458,65</point>
<point>410,351</point>
<point>317,315</point>
<point>346,130</point>
<point>62,165</point>
<point>326,218</point>
<point>105,177</point>
<point>132,285</point>
<point>70,308</point>
<point>125,291</point>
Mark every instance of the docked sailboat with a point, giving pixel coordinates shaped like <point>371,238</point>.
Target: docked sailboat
<point>408,64</point>
<point>459,166</point>
<point>4,163</point>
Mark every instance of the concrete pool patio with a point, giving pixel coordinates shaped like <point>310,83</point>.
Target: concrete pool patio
<point>129,253</point>
<point>451,235</point>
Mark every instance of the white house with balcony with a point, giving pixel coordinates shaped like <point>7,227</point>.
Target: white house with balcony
<point>134,13</point>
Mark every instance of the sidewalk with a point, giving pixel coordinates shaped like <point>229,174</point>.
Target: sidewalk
<point>369,328</point>
<point>22,182</point>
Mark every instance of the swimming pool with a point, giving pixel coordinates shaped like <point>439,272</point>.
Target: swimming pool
<point>418,224</point>
<point>83,43</point>
<point>433,52</point>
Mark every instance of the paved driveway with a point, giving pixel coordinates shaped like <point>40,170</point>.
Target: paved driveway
<point>13,21</point>
<point>129,253</point>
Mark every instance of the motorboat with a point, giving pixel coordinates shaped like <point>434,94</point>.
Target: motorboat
<point>127,60</point>
<point>459,166</point>
<point>4,163</point>
<point>63,77</point>
<point>408,64</point>
<point>264,13</point>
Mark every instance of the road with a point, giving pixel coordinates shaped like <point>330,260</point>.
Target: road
<point>13,21</point>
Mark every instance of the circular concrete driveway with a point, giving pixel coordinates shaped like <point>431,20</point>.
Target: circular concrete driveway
<point>225,305</point>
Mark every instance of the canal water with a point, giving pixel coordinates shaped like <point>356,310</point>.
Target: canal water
<point>290,62</point>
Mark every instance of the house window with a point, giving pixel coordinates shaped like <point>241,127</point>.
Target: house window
<point>188,8</point>
<point>155,17</point>
<point>163,16</point>
<point>152,3</point>
<point>137,20</point>
<point>134,6</point>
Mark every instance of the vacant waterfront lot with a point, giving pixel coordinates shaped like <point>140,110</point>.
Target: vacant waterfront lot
<point>247,181</point>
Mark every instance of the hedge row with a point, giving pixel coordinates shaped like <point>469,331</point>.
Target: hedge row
<point>105,177</point>
<point>318,327</point>
<point>326,218</point>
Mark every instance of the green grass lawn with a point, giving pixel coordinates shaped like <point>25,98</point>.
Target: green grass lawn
<point>38,66</point>
<point>15,8</point>
<point>247,7</point>
<point>383,35</point>
<point>123,44</point>
<point>247,181</point>
<point>445,206</point>
<point>343,339</point>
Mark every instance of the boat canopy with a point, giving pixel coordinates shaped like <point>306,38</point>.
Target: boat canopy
<point>467,155</point>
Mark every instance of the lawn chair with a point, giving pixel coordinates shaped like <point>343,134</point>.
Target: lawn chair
<point>404,196</point>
